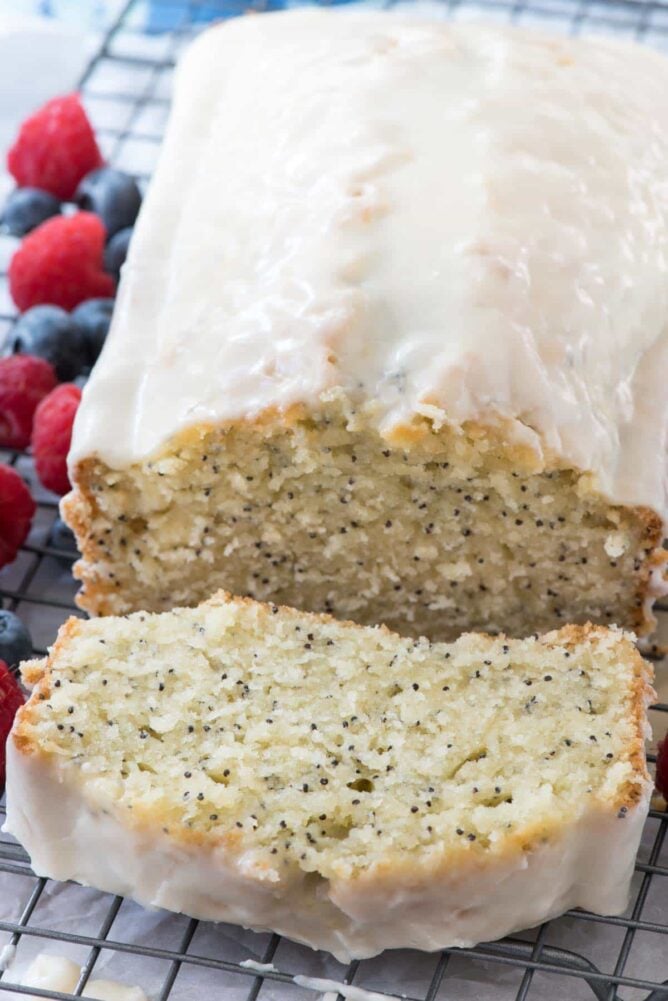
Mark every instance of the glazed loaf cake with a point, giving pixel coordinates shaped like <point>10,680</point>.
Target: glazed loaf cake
<point>391,340</point>
<point>338,784</point>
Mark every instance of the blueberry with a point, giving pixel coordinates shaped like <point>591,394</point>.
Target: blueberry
<point>93,318</point>
<point>112,195</point>
<point>15,642</point>
<point>61,537</point>
<point>26,208</point>
<point>116,252</point>
<point>50,333</point>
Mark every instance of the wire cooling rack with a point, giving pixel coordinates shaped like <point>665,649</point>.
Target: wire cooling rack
<point>126,89</point>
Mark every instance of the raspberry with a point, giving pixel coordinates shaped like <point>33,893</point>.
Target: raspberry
<point>51,435</point>
<point>60,263</point>
<point>662,767</point>
<point>24,381</point>
<point>16,510</point>
<point>11,700</point>
<point>55,148</point>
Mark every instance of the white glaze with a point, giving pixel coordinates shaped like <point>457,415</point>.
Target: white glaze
<point>330,989</point>
<point>57,973</point>
<point>337,987</point>
<point>252,964</point>
<point>70,836</point>
<point>112,990</point>
<point>51,973</point>
<point>464,221</point>
<point>7,954</point>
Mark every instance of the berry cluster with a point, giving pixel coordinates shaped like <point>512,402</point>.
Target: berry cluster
<point>74,217</point>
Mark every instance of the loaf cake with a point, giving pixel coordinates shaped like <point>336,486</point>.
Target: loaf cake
<point>391,340</point>
<point>339,784</point>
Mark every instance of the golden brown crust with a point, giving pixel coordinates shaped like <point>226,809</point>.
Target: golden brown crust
<point>41,678</point>
<point>421,431</point>
<point>641,695</point>
<point>32,671</point>
<point>657,559</point>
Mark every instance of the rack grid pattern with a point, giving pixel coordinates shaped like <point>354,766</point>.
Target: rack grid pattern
<point>126,89</point>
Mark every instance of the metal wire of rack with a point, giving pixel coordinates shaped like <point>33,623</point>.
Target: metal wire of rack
<point>126,89</point>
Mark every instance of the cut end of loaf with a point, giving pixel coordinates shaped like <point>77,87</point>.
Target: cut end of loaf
<point>333,748</point>
<point>434,533</point>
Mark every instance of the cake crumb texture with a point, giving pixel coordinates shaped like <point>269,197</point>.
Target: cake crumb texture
<point>433,533</point>
<point>331,749</point>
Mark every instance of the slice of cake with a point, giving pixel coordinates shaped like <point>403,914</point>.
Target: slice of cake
<point>341,785</point>
<point>391,339</point>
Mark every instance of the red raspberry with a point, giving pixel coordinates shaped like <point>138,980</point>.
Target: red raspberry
<point>662,767</point>
<point>24,381</point>
<point>51,435</point>
<point>60,263</point>
<point>11,700</point>
<point>16,510</point>
<point>55,148</point>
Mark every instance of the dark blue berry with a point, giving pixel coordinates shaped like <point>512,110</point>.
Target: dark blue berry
<point>112,195</point>
<point>61,537</point>
<point>15,642</point>
<point>51,333</point>
<point>26,208</point>
<point>116,252</point>
<point>93,318</point>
